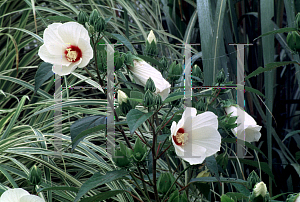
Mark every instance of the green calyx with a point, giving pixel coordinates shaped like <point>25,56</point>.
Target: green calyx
<point>122,156</point>
<point>35,175</point>
<point>139,151</point>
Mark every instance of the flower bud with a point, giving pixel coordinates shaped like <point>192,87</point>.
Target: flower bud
<point>119,60</point>
<point>124,104</point>
<point>100,25</point>
<point>221,77</point>
<point>139,151</point>
<point>151,37</point>
<point>91,29</point>
<point>293,40</point>
<point>94,17</point>
<point>164,63</point>
<point>260,189</point>
<point>252,179</point>
<point>298,21</point>
<point>175,71</point>
<point>196,72</point>
<point>150,85</point>
<point>122,155</point>
<point>158,100</point>
<point>82,17</point>
<point>35,175</point>
<point>164,182</point>
<point>148,99</point>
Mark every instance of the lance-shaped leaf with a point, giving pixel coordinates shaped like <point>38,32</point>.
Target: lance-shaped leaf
<point>135,118</point>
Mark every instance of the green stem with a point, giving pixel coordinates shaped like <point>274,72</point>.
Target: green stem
<point>154,161</point>
<point>137,185</point>
<point>96,63</point>
<point>143,181</point>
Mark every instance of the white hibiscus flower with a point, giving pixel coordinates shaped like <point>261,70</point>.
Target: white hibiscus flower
<point>19,195</point>
<point>196,137</point>
<point>66,46</point>
<point>142,71</point>
<point>250,129</point>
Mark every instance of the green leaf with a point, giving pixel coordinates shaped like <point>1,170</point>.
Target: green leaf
<point>222,179</point>
<point>43,73</point>
<point>135,118</point>
<point>242,189</point>
<point>282,30</point>
<point>82,125</point>
<point>74,189</point>
<point>60,18</point>
<point>174,96</point>
<point>103,196</point>
<point>212,165</point>
<point>236,196</point>
<point>8,177</point>
<point>225,198</point>
<point>254,91</point>
<point>89,81</point>
<point>14,118</point>
<point>297,155</point>
<point>123,40</point>
<point>290,134</point>
<point>269,67</point>
<point>99,179</point>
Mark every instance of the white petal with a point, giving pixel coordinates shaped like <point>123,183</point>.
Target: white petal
<point>65,70</point>
<point>251,133</point>
<point>206,119</point>
<point>31,198</point>
<point>50,58</point>
<point>207,137</point>
<point>192,153</point>
<point>142,71</point>
<point>54,43</point>
<point>13,195</point>
<point>187,114</point>
<point>70,33</point>
<point>87,51</point>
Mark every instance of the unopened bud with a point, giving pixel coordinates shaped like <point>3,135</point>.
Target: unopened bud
<point>82,17</point>
<point>35,175</point>
<point>94,17</point>
<point>151,37</point>
<point>221,77</point>
<point>164,182</point>
<point>100,25</point>
<point>139,151</point>
<point>175,71</point>
<point>293,40</point>
<point>148,99</point>
<point>260,189</point>
<point>150,85</point>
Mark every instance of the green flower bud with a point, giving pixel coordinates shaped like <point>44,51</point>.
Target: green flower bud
<point>221,77</point>
<point>164,182</point>
<point>35,175</point>
<point>252,179</point>
<point>298,20</point>
<point>175,71</point>
<point>164,63</point>
<point>124,104</point>
<point>150,85</point>
<point>100,25</point>
<point>196,72</point>
<point>128,59</point>
<point>293,40</point>
<point>148,99</point>
<point>82,17</point>
<point>122,155</point>
<point>293,198</point>
<point>158,100</point>
<point>139,151</point>
<point>119,60</point>
<point>94,17</point>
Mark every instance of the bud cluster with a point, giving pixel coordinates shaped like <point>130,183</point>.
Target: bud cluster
<point>95,21</point>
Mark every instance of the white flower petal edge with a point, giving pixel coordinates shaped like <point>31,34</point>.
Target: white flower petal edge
<point>66,46</point>
<point>201,136</point>
<point>31,198</point>
<point>142,71</point>
<point>13,195</point>
<point>250,132</point>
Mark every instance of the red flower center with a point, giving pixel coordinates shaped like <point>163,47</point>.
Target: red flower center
<point>73,53</point>
<point>180,137</point>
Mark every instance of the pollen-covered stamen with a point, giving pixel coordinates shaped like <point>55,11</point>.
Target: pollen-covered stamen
<point>73,53</point>
<point>181,137</point>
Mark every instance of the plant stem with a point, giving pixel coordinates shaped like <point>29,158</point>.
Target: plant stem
<point>96,63</point>
<point>143,181</point>
<point>122,131</point>
<point>132,176</point>
<point>154,161</point>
